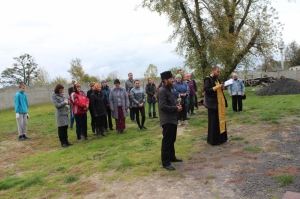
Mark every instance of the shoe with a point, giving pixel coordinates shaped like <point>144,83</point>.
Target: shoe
<point>176,160</point>
<point>140,128</point>
<point>154,115</point>
<point>122,131</point>
<point>65,145</point>
<point>119,132</point>
<point>143,127</point>
<point>80,140</point>
<point>25,137</point>
<point>87,138</point>
<point>21,138</point>
<point>111,129</point>
<point>169,168</point>
<point>69,144</point>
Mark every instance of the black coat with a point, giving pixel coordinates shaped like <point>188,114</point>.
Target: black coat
<point>150,90</point>
<point>97,104</point>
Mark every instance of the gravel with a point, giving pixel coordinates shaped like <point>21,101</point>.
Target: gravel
<point>284,86</point>
<point>287,154</point>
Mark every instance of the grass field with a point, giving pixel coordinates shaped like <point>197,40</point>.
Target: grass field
<point>40,167</point>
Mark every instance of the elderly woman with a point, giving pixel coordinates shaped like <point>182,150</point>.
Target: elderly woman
<point>98,109</point>
<point>138,98</point>
<point>181,91</point>
<point>119,103</point>
<point>62,114</point>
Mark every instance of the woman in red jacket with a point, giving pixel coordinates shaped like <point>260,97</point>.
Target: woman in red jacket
<point>80,106</point>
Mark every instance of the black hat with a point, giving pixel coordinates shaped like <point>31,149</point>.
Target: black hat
<point>117,81</point>
<point>166,75</point>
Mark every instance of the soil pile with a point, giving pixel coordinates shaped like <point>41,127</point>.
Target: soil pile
<point>281,87</point>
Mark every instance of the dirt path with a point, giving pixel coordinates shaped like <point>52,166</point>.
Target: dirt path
<point>208,174</point>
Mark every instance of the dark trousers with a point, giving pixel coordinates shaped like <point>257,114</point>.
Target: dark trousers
<point>120,122</point>
<point>237,102</point>
<point>100,121</point>
<point>131,111</point>
<point>108,120</point>
<point>167,145</point>
<point>182,115</point>
<point>93,122</point>
<point>137,115</point>
<point>63,134</point>
<point>196,101</point>
<point>81,125</point>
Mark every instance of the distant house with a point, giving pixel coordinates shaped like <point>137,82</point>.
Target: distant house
<point>294,68</point>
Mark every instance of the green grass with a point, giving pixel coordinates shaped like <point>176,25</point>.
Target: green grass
<point>43,167</point>
<point>252,149</point>
<point>284,179</point>
<point>237,138</point>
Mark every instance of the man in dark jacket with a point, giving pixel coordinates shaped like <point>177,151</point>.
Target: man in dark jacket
<point>88,94</point>
<point>106,91</point>
<point>168,120</point>
<point>151,97</point>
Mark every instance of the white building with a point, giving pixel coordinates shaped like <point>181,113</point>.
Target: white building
<point>294,68</point>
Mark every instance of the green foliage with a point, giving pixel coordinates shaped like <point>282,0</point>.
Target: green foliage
<point>76,70</point>
<point>284,179</point>
<point>59,80</point>
<point>292,54</point>
<point>24,70</point>
<point>151,71</point>
<point>220,32</point>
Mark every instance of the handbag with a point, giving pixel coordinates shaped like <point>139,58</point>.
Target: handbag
<point>243,97</point>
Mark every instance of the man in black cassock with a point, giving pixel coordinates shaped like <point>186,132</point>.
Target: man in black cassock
<point>168,120</point>
<point>215,102</point>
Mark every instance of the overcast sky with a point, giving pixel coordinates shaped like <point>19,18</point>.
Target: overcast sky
<point>105,35</point>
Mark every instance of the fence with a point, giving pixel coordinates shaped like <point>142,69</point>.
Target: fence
<point>41,94</point>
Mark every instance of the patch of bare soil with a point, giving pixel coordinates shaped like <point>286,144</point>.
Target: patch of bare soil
<point>218,171</point>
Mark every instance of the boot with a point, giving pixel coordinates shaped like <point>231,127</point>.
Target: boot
<point>150,116</point>
<point>154,115</point>
<point>98,132</point>
<point>102,131</point>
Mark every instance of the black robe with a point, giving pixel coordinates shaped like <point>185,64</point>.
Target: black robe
<point>214,137</point>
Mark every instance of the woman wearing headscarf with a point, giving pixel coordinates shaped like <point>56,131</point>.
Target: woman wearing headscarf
<point>119,103</point>
<point>98,109</point>
<point>80,106</point>
<point>61,104</point>
<point>138,98</point>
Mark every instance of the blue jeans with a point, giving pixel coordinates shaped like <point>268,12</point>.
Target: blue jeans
<point>71,117</point>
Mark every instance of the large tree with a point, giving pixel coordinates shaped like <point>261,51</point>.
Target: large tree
<point>219,32</point>
<point>151,71</point>
<point>24,70</point>
<point>43,77</point>
<point>292,54</point>
<point>59,80</point>
<point>76,70</point>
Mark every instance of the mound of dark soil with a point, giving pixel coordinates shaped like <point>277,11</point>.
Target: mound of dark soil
<point>281,87</point>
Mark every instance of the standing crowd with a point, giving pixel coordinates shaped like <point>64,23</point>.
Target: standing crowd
<point>176,96</point>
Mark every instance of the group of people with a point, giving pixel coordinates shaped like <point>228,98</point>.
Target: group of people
<point>176,98</point>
